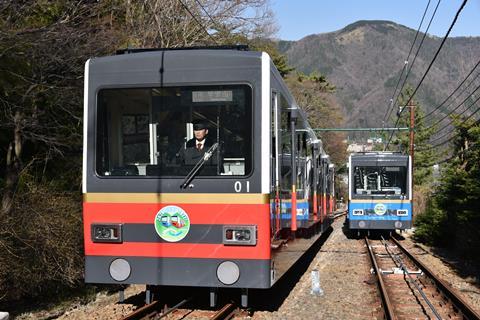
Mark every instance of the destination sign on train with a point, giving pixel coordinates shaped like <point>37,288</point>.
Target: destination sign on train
<point>211,96</point>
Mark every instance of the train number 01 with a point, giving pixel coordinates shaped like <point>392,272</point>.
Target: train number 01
<point>238,186</point>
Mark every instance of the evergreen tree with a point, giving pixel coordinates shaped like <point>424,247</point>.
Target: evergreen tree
<point>452,217</point>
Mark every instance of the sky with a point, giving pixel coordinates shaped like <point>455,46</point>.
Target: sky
<point>299,18</point>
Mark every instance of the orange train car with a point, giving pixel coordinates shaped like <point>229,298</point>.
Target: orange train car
<point>158,212</point>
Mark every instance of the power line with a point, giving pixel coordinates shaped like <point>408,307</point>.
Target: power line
<point>390,108</point>
<point>463,152</point>
<point>197,21</point>
<point>452,137</point>
<point>405,65</point>
<point>456,108</point>
<point>206,12</point>
<point>417,52</point>
<point>469,117</point>
<point>438,51</point>
<point>453,92</point>
<point>361,129</point>
<point>429,66</point>
<point>410,69</point>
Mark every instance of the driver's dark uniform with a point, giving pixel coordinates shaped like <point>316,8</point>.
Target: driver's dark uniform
<point>190,155</point>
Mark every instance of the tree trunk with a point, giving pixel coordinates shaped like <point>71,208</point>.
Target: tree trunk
<point>13,166</point>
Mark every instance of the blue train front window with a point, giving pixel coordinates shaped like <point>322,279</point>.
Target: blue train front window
<point>167,131</point>
<point>380,181</point>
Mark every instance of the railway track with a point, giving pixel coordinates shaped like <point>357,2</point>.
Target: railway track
<point>408,289</point>
<point>181,310</point>
<point>153,311</point>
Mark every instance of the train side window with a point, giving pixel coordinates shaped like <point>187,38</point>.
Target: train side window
<point>301,163</point>
<point>285,148</point>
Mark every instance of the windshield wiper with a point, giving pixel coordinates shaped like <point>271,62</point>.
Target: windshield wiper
<point>189,177</point>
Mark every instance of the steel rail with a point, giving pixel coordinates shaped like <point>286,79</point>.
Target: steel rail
<point>342,213</point>
<point>387,305</point>
<point>148,309</point>
<point>446,288</point>
<point>175,307</point>
<point>411,280</point>
<point>140,312</point>
<point>226,312</point>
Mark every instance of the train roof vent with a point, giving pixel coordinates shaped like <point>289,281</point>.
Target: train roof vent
<point>239,47</point>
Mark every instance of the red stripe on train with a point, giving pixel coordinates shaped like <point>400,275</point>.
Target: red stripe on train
<point>198,213</point>
<point>235,214</point>
<point>178,250</point>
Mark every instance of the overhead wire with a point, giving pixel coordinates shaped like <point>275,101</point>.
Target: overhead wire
<point>206,12</point>
<point>405,65</point>
<point>466,119</point>
<point>197,21</point>
<point>429,66</point>
<point>410,69</point>
<point>455,109</point>
<point>452,137</point>
<point>454,91</point>
<point>417,52</point>
<point>463,152</point>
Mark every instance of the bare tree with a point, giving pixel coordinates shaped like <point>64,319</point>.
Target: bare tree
<point>314,94</point>
<point>43,48</point>
<point>180,23</point>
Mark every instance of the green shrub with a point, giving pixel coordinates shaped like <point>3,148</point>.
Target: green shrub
<point>431,225</point>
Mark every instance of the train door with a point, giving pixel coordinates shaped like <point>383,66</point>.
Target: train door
<point>286,156</point>
<point>323,165</point>
<point>275,168</point>
<point>313,180</point>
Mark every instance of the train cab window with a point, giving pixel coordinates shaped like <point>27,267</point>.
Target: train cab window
<point>381,181</point>
<point>151,131</point>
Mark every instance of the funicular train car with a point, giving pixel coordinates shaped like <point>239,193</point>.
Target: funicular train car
<point>152,218</point>
<point>380,191</point>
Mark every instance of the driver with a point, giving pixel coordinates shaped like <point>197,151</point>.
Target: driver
<point>197,146</point>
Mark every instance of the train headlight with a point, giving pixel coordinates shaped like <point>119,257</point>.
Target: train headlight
<point>228,272</point>
<point>107,233</point>
<point>240,235</point>
<point>358,212</point>
<point>120,269</point>
<point>402,212</point>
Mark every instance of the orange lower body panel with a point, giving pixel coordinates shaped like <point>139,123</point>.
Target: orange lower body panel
<point>200,214</point>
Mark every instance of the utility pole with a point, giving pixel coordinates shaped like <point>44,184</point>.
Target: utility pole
<point>412,143</point>
<point>412,132</point>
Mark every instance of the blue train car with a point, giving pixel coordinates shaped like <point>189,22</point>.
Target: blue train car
<point>380,191</point>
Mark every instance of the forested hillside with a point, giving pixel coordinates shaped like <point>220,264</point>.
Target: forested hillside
<point>364,61</point>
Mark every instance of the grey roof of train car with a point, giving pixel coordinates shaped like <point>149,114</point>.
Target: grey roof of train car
<point>380,157</point>
<point>372,155</point>
<point>175,59</point>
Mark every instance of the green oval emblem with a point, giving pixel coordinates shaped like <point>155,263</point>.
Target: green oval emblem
<point>380,209</point>
<point>172,223</point>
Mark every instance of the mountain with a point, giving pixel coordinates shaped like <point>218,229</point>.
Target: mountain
<point>365,59</point>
